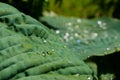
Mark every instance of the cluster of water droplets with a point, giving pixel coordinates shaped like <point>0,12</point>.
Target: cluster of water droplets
<point>57,31</point>
<point>87,77</point>
<point>72,31</point>
<point>48,52</point>
<point>102,24</point>
<point>44,41</point>
<point>80,31</point>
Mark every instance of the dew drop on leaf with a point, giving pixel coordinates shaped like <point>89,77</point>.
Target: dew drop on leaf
<point>108,49</point>
<point>89,78</point>
<point>76,34</point>
<point>76,75</point>
<point>43,54</point>
<point>51,52</point>
<point>44,41</point>
<point>102,24</point>
<point>79,20</point>
<point>57,31</point>
<point>99,22</point>
<point>94,35</point>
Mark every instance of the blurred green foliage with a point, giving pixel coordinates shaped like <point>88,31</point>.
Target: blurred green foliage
<point>85,8</point>
<point>77,8</point>
<point>30,7</point>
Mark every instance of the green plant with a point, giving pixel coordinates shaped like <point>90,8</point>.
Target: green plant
<point>68,48</point>
<point>80,8</point>
<point>28,49</point>
<point>96,41</point>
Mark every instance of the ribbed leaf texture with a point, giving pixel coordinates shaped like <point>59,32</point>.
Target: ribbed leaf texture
<point>30,51</point>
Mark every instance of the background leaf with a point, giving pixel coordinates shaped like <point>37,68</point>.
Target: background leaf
<point>87,37</point>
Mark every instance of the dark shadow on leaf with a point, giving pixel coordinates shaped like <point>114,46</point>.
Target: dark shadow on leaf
<point>107,64</point>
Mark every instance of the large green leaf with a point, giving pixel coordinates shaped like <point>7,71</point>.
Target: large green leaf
<point>29,50</point>
<point>87,37</point>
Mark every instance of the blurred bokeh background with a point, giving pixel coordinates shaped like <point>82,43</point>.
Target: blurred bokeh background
<point>76,8</point>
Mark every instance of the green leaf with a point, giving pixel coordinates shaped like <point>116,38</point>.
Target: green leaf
<point>57,77</point>
<point>87,37</point>
<point>29,49</point>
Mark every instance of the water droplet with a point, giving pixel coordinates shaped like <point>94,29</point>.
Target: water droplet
<point>51,52</point>
<point>88,57</point>
<point>94,35</point>
<point>79,20</point>
<point>89,78</point>
<point>77,75</point>
<point>102,24</point>
<point>76,34</point>
<point>99,22</point>
<point>66,36</point>
<point>57,31</point>
<point>43,54</point>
